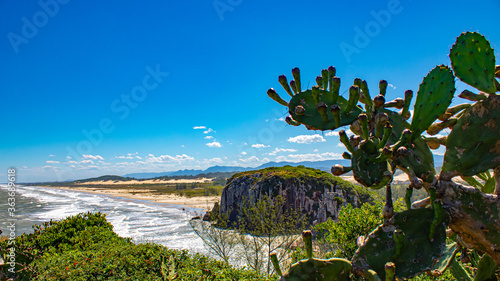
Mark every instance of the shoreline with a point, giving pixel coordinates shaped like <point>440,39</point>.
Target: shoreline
<point>205,203</point>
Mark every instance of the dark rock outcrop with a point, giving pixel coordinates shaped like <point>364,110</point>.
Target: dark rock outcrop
<point>318,194</point>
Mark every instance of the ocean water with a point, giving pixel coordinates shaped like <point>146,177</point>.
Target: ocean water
<point>140,220</point>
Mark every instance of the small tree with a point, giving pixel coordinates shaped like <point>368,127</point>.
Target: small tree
<point>267,227</point>
<point>216,237</point>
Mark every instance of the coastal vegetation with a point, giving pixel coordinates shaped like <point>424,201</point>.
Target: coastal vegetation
<point>84,247</point>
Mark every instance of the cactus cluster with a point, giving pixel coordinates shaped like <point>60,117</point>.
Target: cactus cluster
<point>412,242</point>
<point>310,269</point>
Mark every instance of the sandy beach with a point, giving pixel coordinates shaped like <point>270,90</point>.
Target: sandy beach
<point>202,202</point>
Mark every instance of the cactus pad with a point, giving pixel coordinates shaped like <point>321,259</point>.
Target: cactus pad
<point>313,118</point>
<point>445,260</point>
<point>419,159</point>
<point>473,61</point>
<point>473,145</point>
<point>417,252</point>
<point>367,171</point>
<point>310,269</point>
<point>320,108</point>
<point>334,269</point>
<point>433,98</point>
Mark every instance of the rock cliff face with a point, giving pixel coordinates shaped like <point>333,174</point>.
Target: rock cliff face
<point>319,194</point>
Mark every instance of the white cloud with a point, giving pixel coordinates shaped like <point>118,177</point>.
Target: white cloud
<point>309,157</point>
<point>214,144</point>
<point>282,119</point>
<point>199,127</point>
<point>52,155</point>
<point>392,86</point>
<point>52,162</point>
<point>259,145</point>
<point>167,159</point>
<point>93,157</point>
<point>215,160</point>
<point>307,139</point>
<point>336,133</point>
<point>278,150</point>
<point>243,153</point>
<point>316,150</point>
<point>209,131</point>
<point>87,162</point>
<point>250,159</point>
<point>124,157</point>
<point>129,156</point>
<point>209,137</point>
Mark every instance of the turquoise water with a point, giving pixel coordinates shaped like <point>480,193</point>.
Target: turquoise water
<point>140,220</point>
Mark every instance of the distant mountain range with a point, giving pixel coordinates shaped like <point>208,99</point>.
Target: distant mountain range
<point>321,165</point>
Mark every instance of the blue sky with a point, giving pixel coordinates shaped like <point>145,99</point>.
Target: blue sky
<point>112,87</point>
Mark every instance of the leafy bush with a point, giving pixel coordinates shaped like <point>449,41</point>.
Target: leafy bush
<point>352,223</point>
<point>84,247</point>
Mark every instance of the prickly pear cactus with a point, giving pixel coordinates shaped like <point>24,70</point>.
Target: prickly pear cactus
<point>311,269</point>
<point>473,61</point>
<point>413,241</point>
<point>473,145</point>
<point>319,108</point>
<point>433,98</point>
<point>404,241</point>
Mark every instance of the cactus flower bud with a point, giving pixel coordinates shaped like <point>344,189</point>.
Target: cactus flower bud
<point>319,81</point>
<point>292,122</point>
<point>296,77</point>
<point>382,85</point>
<point>402,152</point>
<point>353,98</point>
<point>363,121</point>
<point>276,264</point>
<point>338,170</point>
<point>468,95</point>
<point>284,83</point>
<point>397,103</point>
<point>293,85</point>
<point>345,140</point>
<point>335,109</point>
<point>324,77</point>
<point>272,94</point>
<point>390,271</point>
<point>307,238</point>
<point>315,94</point>
<point>378,101</point>
<point>357,82</point>
<point>300,110</point>
<point>322,111</point>
<point>332,71</point>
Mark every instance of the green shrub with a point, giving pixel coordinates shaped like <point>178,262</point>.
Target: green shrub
<point>352,223</point>
<point>84,247</point>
